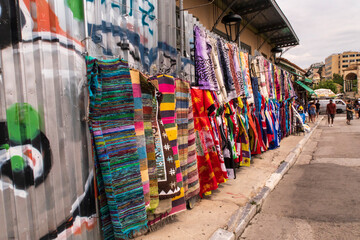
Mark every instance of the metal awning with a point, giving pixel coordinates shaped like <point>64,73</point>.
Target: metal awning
<point>265,18</point>
<point>305,79</point>
<point>306,87</point>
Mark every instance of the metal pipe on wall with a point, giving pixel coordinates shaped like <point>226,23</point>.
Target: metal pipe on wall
<point>86,39</point>
<point>181,12</point>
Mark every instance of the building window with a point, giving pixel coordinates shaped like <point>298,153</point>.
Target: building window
<point>358,55</point>
<point>345,66</point>
<point>352,55</point>
<point>345,60</point>
<point>358,60</point>
<point>352,60</point>
<point>345,56</point>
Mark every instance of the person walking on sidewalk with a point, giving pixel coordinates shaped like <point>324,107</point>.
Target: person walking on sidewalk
<point>330,111</point>
<point>317,108</point>
<point>312,112</point>
<point>349,112</point>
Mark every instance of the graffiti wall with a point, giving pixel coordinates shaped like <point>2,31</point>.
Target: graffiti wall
<point>46,166</point>
<point>46,178</point>
<point>140,31</point>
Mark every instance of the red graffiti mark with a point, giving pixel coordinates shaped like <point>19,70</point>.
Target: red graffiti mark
<point>45,19</point>
<point>143,40</point>
<point>28,153</point>
<point>88,225</point>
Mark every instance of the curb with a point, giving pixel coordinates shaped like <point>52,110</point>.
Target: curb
<point>241,218</point>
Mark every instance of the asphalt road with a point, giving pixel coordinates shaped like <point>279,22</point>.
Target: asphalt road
<point>319,198</point>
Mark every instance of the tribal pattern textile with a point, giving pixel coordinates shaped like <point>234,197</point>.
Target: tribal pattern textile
<point>122,206</point>
<point>165,163</point>
<point>223,52</point>
<point>221,94</point>
<point>166,86</point>
<point>204,70</point>
<point>210,173</point>
<point>238,71</point>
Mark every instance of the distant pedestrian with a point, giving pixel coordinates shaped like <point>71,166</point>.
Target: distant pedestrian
<point>317,108</point>
<point>312,111</point>
<point>330,111</point>
<point>349,112</point>
<point>357,109</point>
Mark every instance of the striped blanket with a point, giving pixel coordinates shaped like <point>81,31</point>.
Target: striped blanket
<point>186,139</point>
<point>149,104</point>
<point>140,134</point>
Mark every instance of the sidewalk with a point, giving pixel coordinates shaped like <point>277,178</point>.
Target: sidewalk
<point>213,212</point>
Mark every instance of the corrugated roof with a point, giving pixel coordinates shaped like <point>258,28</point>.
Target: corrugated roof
<point>266,18</point>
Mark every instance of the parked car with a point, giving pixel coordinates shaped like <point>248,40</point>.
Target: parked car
<point>340,105</point>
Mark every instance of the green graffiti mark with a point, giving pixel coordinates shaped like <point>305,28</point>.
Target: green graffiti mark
<point>77,9</point>
<point>23,122</point>
<point>17,163</point>
<point>5,146</point>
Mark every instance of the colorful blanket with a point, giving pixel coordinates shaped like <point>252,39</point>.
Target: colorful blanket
<point>149,116</point>
<point>140,134</point>
<point>187,160</point>
<point>122,206</point>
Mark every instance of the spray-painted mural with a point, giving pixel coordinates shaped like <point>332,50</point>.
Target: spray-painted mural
<point>46,177</point>
<point>46,167</point>
<point>142,32</point>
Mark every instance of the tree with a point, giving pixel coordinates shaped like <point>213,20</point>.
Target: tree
<point>329,84</point>
<point>338,79</point>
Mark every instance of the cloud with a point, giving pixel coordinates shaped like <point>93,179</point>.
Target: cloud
<point>323,27</point>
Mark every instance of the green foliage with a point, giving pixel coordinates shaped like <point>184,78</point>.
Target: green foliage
<point>338,79</point>
<point>328,84</point>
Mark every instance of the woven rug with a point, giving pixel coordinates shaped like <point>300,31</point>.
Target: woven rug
<point>186,139</point>
<point>192,167</point>
<point>149,104</point>
<point>112,128</point>
<point>165,162</point>
<point>140,134</point>
<point>166,86</point>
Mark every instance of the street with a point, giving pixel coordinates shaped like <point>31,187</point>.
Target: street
<point>319,197</point>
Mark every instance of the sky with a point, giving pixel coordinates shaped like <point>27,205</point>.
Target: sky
<point>323,27</point>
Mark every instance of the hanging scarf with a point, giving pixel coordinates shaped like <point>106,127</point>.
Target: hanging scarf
<point>223,52</point>
<point>204,70</point>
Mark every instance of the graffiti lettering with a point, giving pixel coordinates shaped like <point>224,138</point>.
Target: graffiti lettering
<point>148,14</point>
